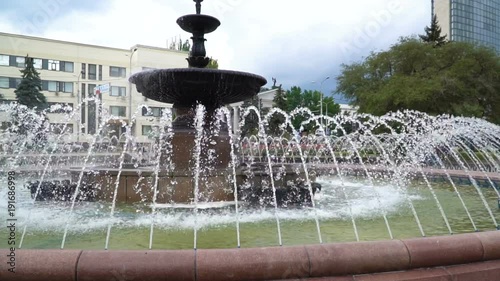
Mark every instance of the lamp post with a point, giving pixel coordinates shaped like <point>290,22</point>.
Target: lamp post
<point>132,52</point>
<point>79,102</point>
<point>326,106</point>
<point>321,94</point>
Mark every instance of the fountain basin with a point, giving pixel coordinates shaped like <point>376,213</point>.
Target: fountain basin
<point>185,87</point>
<point>198,23</point>
<point>474,256</point>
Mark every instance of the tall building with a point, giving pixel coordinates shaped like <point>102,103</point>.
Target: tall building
<point>72,72</point>
<point>469,20</point>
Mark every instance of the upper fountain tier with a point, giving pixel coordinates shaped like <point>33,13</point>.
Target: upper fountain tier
<point>184,87</point>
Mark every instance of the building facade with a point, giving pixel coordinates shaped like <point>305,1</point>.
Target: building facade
<point>469,20</point>
<point>71,73</point>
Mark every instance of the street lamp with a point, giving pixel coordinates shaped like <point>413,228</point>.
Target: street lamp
<point>321,94</point>
<point>78,97</point>
<point>132,52</point>
<point>326,105</point>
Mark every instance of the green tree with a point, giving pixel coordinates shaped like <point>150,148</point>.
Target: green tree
<point>251,125</point>
<point>296,98</point>
<point>279,101</point>
<point>458,78</point>
<point>330,107</point>
<point>213,64</point>
<point>179,45</point>
<point>433,33</point>
<point>28,91</point>
<point>29,121</point>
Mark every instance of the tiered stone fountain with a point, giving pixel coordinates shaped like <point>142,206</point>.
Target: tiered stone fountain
<point>187,88</point>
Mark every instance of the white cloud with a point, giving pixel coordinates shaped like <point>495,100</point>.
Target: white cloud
<point>295,41</point>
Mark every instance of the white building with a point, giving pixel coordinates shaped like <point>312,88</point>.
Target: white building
<point>70,73</point>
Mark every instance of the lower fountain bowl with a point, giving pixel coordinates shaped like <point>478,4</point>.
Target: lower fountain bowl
<point>185,87</point>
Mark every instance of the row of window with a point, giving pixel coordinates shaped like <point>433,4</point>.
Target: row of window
<point>476,26</point>
<point>484,5</point>
<point>60,128</point>
<point>471,19</point>
<point>57,86</point>
<point>56,107</point>
<point>153,111</point>
<point>51,86</point>
<point>121,111</point>
<point>46,64</point>
<point>90,71</point>
<point>66,66</point>
<point>56,128</point>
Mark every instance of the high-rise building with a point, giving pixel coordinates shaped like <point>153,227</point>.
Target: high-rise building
<point>469,20</point>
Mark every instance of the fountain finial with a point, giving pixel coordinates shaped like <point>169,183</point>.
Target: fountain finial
<point>198,25</point>
<point>198,6</point>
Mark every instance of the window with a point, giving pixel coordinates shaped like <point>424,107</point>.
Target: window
<point>115,71</point>
<point>91,90</point>
<point>118,91</point>
<point>100,72</point>
<point>60,107</point>
<point>54,65</point>
<point>153,111</point>
<point>146,130</point>
<point>38,63</point>
<point>17,61</point>
<point>4,60</point>
<point>4,82</point>
<point>66,87</point>
<point>51,86</point>
<point>66,66</point>
<point>117,111</point>
<point>5,126</point>
<point>59,128</point>
<point>56,86</point>
<point>83,70</point>
<point>92,72</point>
<point>14,82</point>
<point>150,131</point>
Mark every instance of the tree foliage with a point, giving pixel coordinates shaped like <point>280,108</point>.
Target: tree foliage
<point>288,101</point>
<point>251,125</point>
<point>29,120</point>
<point>279,101</point>
<point>296,98</point>
<point>213,64</point>
<point>433,33</point>
<point>28,91</point>
<point>179,45</point>
<point>458,78</point>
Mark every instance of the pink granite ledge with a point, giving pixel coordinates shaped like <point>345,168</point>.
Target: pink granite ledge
<point>136,265</point>
<point>30,265</point>
<point>462,257</point>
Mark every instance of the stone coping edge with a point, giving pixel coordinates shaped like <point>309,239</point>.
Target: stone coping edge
<point>460,255</point>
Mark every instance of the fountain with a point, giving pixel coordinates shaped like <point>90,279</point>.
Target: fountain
<point>209,205</point>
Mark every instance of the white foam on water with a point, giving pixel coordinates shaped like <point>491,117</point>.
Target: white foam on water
<point>88,216</point>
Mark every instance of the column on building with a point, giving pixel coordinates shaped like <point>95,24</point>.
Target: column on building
<point>236,116</point>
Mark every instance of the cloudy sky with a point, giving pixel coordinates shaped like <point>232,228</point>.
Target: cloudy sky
<point>297,41</point>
